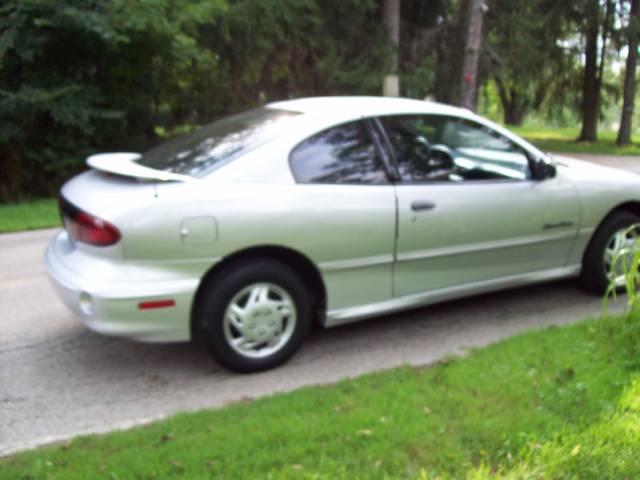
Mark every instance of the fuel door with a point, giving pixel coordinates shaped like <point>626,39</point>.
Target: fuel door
<point>199,230</point>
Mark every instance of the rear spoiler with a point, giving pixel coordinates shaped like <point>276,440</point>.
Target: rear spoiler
<point>125,164</point>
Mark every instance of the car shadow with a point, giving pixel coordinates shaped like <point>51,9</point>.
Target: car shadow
<point>107,356</point>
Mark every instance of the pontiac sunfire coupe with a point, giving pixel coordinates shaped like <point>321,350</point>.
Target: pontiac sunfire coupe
<point>244,232</point>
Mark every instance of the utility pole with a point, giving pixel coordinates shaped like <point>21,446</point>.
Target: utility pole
<point>391,12</point>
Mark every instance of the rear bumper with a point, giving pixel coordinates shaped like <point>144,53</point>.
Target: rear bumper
<point>105,294</point>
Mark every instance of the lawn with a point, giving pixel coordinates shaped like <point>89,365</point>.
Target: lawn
<point>554,403</point>
<point>29,215</point>
<point>563,140</point>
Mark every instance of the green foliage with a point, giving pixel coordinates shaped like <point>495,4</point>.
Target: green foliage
<point>82,76</point>
<point>90,75</point>
<point>431,49</point>
<point>556,403</point>
<point>626,262</point>
<point>273,49</point>
<point>46,105</point>
<point>528,56</point>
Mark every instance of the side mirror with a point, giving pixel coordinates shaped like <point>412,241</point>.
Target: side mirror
<point>551,170</point>
<point>441,157</point>
<point>543,168</point>
<point>435,162</point>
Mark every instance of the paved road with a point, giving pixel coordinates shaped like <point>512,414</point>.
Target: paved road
<point>57,379</point>
<point>630,163</point>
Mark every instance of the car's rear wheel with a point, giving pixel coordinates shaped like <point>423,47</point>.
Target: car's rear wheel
<point>613,245</point>
<point>255,315</point>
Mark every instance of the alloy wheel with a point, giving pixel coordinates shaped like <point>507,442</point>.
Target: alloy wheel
<point>259,320</point>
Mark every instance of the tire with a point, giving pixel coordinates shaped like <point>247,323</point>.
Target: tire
<point>593,277</point>
<point>260,305</point>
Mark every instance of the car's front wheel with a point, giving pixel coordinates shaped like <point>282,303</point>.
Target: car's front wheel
<point>613,245</point>
<point>255,315</point>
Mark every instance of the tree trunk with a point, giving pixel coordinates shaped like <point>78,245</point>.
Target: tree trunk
<point>449,50</point>
<point>391,12</point>
<point>13,184</point>
<point>514,117</point>
<point>624,133</point>
<point>514,105</point>
<point>469,80</point>
<point>592,72</point>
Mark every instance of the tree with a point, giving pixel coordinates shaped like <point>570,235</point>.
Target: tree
<point>523,53</point>
<point>624,132</point>
<point>391,11</point>
<point>92,75</point>
<point>469,82</point>
<point>594,70</point>
<point>431,54</point>
<point>423,34</point>
<point>276,49</point>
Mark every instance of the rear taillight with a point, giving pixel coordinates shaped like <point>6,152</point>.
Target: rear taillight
<point>87,228</point>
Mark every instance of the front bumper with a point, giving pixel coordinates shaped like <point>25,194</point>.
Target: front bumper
<point>105,293</point>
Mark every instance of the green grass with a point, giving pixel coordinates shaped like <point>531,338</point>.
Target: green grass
<point>556,403</point>
<point>29,215</point>
<point>563,140</point>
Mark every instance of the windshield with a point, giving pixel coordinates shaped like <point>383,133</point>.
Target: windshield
<point>199,152</point>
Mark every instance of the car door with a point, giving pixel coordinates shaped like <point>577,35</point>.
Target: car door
<point>469,210</point>
<point>347,214</point>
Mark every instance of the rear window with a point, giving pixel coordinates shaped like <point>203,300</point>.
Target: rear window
<point>200,152</point>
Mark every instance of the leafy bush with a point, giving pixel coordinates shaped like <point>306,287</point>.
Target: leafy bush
<point>103,75</point>
<point>628,258</point>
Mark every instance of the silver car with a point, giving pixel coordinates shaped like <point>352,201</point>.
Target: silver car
<point>246,231</point>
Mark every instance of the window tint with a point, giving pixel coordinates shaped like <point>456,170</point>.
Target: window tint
<point>440,148</point>
<point>199,152</point>
<point>343,154</point>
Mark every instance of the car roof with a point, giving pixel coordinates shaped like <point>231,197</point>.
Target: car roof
<point>366,106</point>
<point>317,114</point>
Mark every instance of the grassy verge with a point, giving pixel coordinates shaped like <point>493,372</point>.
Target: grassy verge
<point>563,140</point>
<point>557,403</point>
<point>28,215</point>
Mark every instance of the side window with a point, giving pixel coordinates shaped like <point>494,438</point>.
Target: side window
<point>454,150</point>
<point>411,138</point>
<point>342,154</point>
<point>465,134</point>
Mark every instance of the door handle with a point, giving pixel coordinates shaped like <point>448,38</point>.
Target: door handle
<point>420,205</point>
